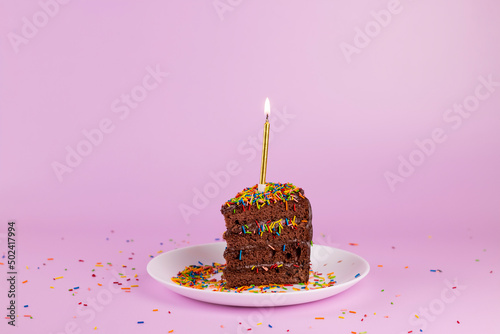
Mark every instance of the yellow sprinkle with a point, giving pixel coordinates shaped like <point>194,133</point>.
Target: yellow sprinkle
<point>59,277</point>
<point>52,287</point>
<point>134,286</point>
<point>160,251</point>
<point>260,323</point>
<point>95,328</point>
<point>123,276</point>
<point>341,317</point>
<point>99,265</point>
<point>416,316</point>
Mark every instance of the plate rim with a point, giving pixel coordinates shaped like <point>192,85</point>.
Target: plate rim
<point>168,283</point>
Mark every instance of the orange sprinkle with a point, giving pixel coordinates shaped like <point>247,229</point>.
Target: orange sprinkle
<point>406,267</point>
<point>352,311</point>
<point>171,331</point>
<point>125,288</point>
<point>1,263</point>
<point>353,244</point>
<point>320,318</point>
<point>25,281</point>
<point>353,332</point>
<point>386,316</point>
<point>380,265</point>
<point>155,310</point>
<point>27,316</point>
<point>99,284</point>
<point>50,259</point>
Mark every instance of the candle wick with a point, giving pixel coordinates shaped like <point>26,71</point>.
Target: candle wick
<point>267,117</point>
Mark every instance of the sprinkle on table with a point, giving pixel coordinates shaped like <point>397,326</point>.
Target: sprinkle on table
<point>320,318</point>
<point>58,277</point>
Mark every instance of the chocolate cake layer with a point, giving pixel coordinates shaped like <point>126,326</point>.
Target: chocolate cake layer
<point>301,232</point>
<point>286,274</point>
<point>239,215</point>
<point>289,252</point>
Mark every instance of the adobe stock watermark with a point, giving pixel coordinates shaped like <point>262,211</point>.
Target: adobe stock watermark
<point>452,117</point>
<point>92,305</point>
<point>420,318</point>
<point>364,36</point>
<point>30,27</point>
<point>250,148</point>
<point>223,6</point>
<point>122,107</point>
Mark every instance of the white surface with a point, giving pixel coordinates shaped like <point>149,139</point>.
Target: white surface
<point>324,259</point>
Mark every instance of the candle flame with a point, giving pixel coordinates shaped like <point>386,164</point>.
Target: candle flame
<point>267,107</point>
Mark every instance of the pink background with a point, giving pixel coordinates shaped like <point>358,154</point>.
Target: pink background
<point>340,123</point>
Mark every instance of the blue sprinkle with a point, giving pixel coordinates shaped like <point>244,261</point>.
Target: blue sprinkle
<point>240,254</point>
<point>161,243</point>
<point>357,275</point>
<point>284,248</point>
<point>270,326</point>
<point>432,270</point>
<point>200,263</point>
<point>76,288</point>
<point>140,322</point>
<point>25,305</point>
<point>217,239</point>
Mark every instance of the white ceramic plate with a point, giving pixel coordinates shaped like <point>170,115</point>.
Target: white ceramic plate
<point>324,259</point>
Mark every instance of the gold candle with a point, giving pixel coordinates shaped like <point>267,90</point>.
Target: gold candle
<point>265,146</point>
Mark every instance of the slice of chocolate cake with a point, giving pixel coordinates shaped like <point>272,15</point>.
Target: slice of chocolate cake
<point>268,236</point>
